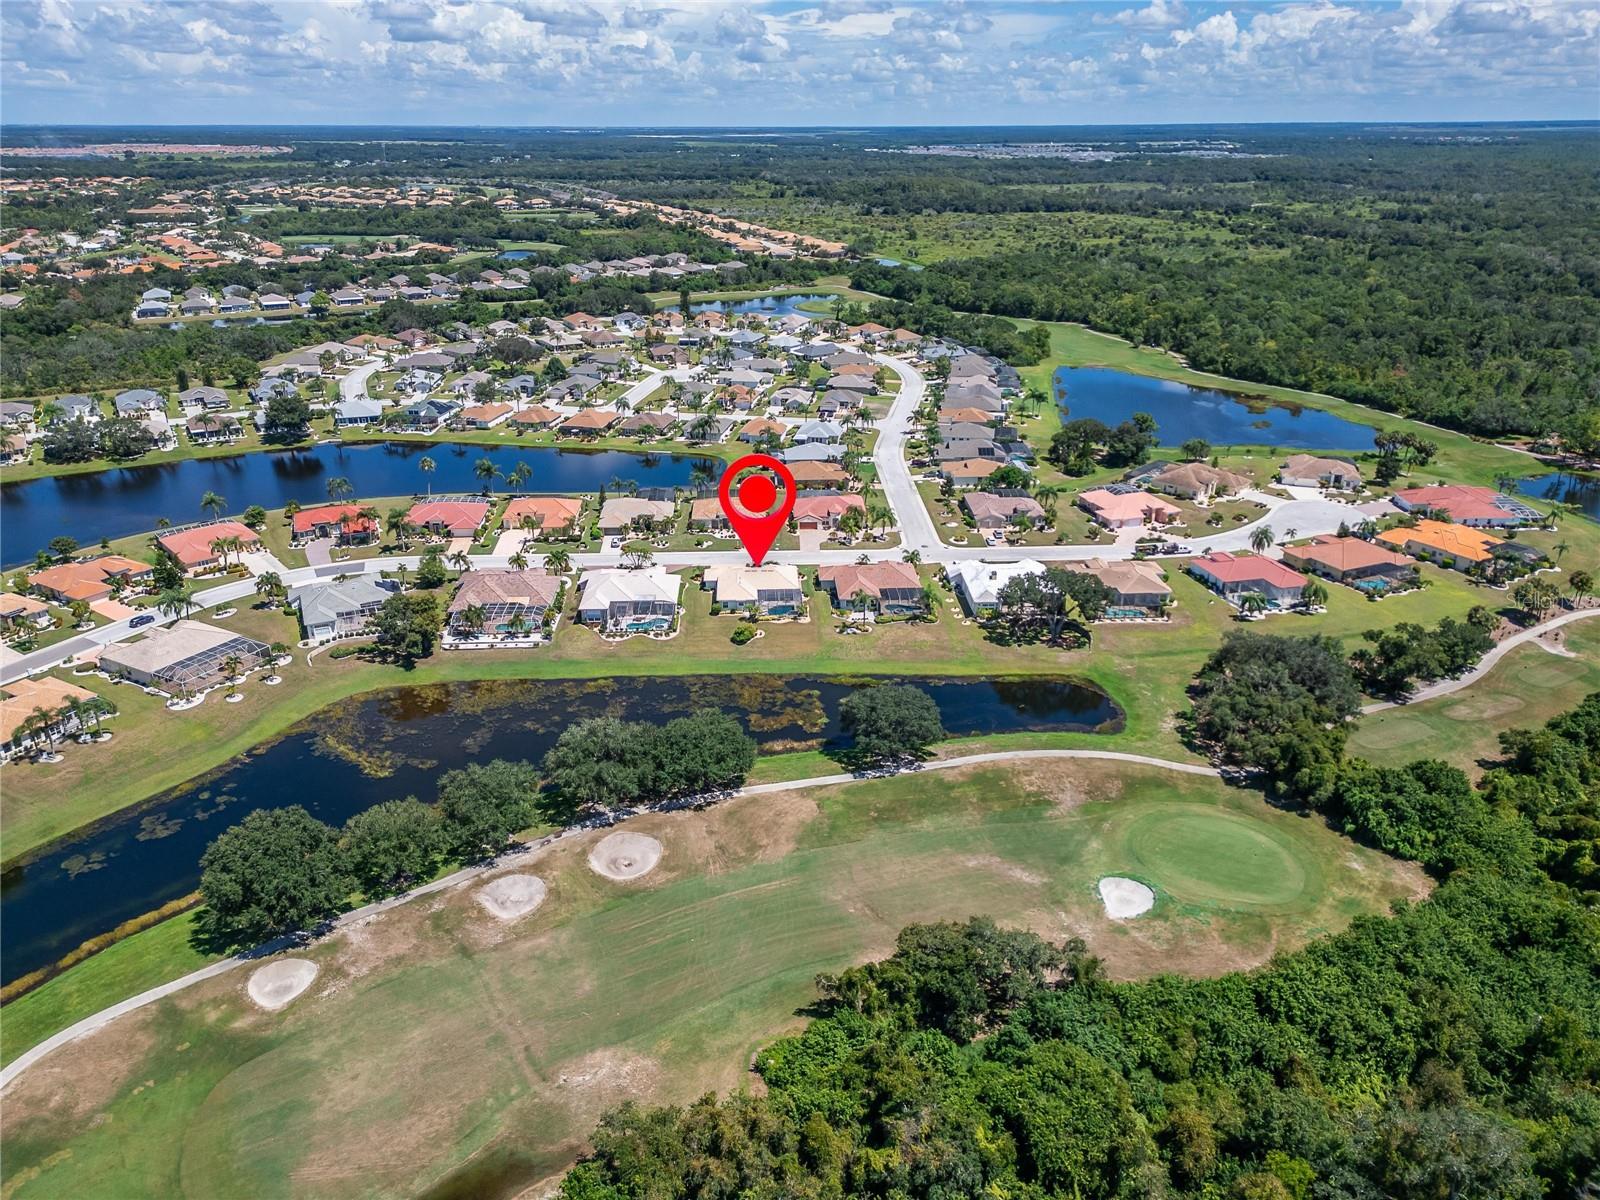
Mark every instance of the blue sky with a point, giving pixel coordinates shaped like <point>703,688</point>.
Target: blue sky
<point>794,62</point>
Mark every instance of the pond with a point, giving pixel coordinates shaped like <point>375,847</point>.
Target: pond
<point>129,500</point>
<point>1565,487</point>
<point>1182,412</point>
<point>395,743</point>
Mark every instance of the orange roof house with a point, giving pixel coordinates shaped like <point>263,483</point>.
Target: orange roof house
<point>1455,545</point>
<point>548,513</point>
<point>1345,558</point>
<point>192,547</point>
<point>590,421</point>
<point>87,579</point>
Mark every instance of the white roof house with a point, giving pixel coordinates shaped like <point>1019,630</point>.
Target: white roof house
<point>774,587</point>
<point>628,599</point>
<point>979,583</point>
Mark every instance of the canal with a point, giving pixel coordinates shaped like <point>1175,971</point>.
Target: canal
<point>395,743</point>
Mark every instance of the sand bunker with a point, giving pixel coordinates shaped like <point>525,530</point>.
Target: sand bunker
<point>277,983</point>
<point>624,856</point>
<point>512,896</point>
<point>1125,898</point>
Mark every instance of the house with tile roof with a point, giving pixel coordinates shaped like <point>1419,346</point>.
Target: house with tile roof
<point>1127,510</point>
<point>1458,546</point>
<point>1232,576</point>
<point>887,588</point>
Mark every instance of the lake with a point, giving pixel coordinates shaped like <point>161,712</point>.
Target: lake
<point>395,743</point>
<point>129,500</point>
<point>1183,412</point>
<point>1564,487</point>
<point>767,306</point>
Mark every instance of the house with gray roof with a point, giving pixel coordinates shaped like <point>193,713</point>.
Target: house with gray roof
<point>137,401</point>
<point>339,609</point>
<point>356,412</point>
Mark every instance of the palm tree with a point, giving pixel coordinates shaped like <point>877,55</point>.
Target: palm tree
<point>1559,549</point>
<point>427,466</point>
<point>340,488</point>
<point>520,475</point>
<point>486,470</point>
<point>1582,585</point>
<point>80,611</point>
<point>176,602</point>
<point>220,547</point>
<point>558,561</point>
<point>702,427</point>
<point>475,616</point>
<point>518,561</point>
<point>269,584</point>
<point>1262,538</point>
<point>518,625</point>
<point>400,529</point>
<point>1368,529</point>
<point>1313,595</point>
<point>230,668</point>
<point>213,504</point>
<point>459,560</point>
<point>1290,534</point>
<point>1252,603</point>
<point>912,556</point>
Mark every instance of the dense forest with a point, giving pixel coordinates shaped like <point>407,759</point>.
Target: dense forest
<point>1450,1050</point>
<point>1447,273</point>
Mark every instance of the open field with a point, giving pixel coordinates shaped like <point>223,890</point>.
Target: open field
<point>1526,688</point>
<point>436,1033</point>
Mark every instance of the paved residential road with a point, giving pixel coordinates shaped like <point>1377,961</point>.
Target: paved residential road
<point>106,1016</point>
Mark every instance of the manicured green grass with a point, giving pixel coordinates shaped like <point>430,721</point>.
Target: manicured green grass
<point>1145,668</point>
<point>135,964</point>
<point>1525,689</point>
<point>435,1032</point>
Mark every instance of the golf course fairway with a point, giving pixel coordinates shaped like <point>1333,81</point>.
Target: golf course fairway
<point>442,1048</point>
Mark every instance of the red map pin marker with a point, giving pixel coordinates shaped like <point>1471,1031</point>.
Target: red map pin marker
<point>756,514</point>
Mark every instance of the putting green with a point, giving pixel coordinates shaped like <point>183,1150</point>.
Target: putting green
<point>1212,858</point>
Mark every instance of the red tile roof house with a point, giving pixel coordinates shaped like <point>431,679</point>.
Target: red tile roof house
<point>1125,510</point>
<point>890,588</point>
<point>1234,575</point>
<point>824,512</point>
<point>1466,505</point>
<point>342,522</point>
<point>452,518</point>
<point>192,547</point>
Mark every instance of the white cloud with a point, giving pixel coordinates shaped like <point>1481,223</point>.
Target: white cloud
<point>736,61</point>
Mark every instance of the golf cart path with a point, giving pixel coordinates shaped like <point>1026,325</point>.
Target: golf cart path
<point>1485,664</point>
<point>104,1017</point>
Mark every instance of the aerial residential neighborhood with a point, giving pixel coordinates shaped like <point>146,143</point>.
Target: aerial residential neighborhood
<point>657,600</point>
